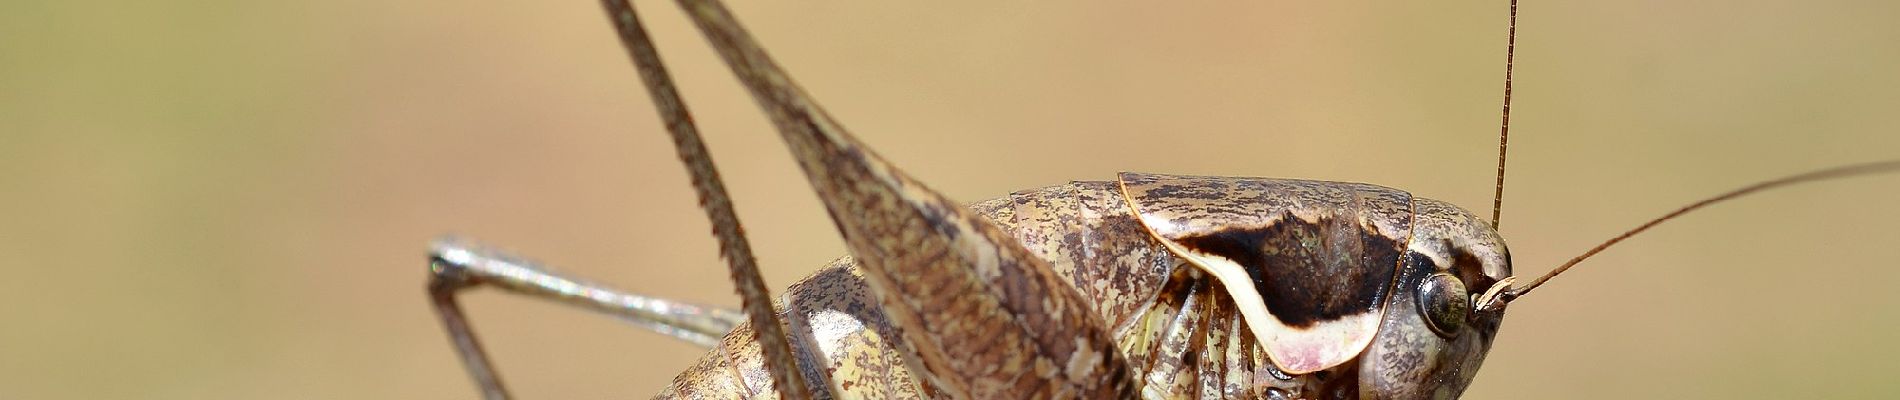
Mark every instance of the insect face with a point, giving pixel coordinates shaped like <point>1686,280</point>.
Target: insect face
<point>1434,336</point>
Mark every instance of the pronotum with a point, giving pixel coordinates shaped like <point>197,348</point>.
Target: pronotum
<point>1509,215</point>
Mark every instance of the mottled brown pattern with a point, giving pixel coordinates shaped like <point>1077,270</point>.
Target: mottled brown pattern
<point>1206,204</point>
<point>1129,266</point>
<point>1089,236</point>
<point>1140,339</point>
<point>979,316</point>
<point>1172,365</point>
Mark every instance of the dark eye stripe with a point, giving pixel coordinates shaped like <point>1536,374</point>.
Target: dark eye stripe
<point>1468,268</point>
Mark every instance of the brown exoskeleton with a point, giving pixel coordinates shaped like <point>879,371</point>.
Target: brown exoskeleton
<point>1151,285</point>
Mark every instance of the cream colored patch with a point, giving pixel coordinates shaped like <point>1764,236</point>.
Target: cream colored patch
<point>831,328</point>
<point>1081,361</point>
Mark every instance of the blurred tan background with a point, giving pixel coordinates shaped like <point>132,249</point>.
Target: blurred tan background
<point>231,199</point>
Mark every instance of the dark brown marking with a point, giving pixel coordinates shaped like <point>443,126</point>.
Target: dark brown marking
<point>1310,271</point>
<point>1470,270</point>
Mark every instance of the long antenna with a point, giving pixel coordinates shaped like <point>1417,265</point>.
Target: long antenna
<point>1824,174</point>
<point>1504,128</point>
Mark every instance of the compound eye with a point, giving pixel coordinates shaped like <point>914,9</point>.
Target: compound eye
<point>1443,303</point>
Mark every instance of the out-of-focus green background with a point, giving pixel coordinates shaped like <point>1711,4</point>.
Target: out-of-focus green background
<point>231,199</point>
